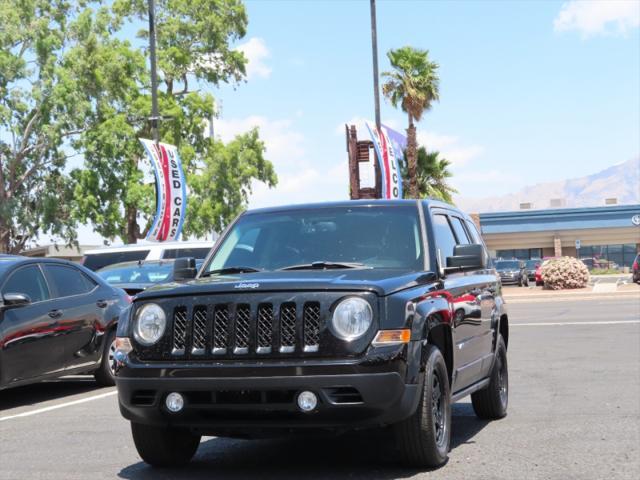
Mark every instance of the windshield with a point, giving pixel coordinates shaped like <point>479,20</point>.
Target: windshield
<point>508,265</point>
<point>145,273</point>
<point>376,237</point>
<point>533,264</point>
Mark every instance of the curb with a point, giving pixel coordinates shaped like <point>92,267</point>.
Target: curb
<point>581,295</point>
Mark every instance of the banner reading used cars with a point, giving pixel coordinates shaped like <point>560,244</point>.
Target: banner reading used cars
<point>171,192</point>
<point>388,160</point>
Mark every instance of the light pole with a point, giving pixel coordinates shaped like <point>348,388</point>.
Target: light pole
<point>154,79</point>
<point>374,48</point>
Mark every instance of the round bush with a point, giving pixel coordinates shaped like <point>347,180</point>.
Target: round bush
<point>564,272</point>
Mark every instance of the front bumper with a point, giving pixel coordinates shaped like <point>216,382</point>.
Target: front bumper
<point>253,399</point>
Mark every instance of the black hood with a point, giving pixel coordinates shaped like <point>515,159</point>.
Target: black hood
<point>380,281</point>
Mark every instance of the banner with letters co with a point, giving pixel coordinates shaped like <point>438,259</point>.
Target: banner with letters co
<point>388,161</point>
<point>171,191</point>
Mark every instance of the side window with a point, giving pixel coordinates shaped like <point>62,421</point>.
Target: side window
<point>185,252</point>
<point>478,239</point>
<point>28,281</point>
<point>68,281</point>
<point>461,233</point>
<point>445,241</point>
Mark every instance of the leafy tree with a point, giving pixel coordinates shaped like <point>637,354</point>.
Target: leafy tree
<point>193,38</point>
<point>432,172</point>
<point>41,109</point>
<point>413,85</point>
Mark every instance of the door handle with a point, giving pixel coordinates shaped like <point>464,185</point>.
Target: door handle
<point>55,313</point>
<point>102,303</point>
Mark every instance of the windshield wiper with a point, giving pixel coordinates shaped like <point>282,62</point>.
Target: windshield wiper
<point>323,265</point>
<point>226,270</point>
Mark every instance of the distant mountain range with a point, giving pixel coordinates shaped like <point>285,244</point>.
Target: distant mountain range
<point>620,181</point>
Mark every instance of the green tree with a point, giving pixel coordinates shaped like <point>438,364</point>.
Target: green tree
<point>432,172</point>
<point>41,110</point>
<point>414,86</point>
<point>193,38</point>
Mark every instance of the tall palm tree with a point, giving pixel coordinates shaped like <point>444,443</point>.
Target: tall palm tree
<point>414,85</point>
<point>431,176</point>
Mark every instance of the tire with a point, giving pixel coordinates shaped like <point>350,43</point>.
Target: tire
<point>425,437</point>
<point>164,446</point>
<point>105,375</point>
<point>491,403</point>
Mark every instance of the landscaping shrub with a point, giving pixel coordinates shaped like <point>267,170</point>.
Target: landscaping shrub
<point>564,272</point>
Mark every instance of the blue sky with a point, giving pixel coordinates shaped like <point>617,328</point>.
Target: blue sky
<point>530,91</point>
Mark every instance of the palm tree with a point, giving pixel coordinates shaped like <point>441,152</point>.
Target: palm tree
<point>431,176</point>
<point>413,84</point>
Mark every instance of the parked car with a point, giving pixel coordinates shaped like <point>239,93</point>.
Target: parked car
<point>635,269</point>
<point>326,317</point>
<point>56,318</point>
<point>531,266</point>
<point>103,257</point>
<point>134,277</point>
<point>538,275</point>
<point>512,272</point>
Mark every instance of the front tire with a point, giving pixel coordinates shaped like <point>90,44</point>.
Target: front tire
<point>164,446</point>
<point>105,375</point>
<point>491,403</point>
<point>424,438</point>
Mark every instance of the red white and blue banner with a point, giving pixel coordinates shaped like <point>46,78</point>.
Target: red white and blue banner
<point>171,191</point>
<point>388,160</point>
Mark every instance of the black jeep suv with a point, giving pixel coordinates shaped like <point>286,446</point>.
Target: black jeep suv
<point>319,317</point>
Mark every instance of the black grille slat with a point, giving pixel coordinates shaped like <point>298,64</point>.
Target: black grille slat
<point>264,328</point>
<point>287,327</point>
<point>311,319</point>
<point>199,332</point>
<point>179,330</point>
<point>242,329</point>
<point>220,329</point>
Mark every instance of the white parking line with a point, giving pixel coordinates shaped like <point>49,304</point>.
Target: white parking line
<point>60,405</point>
<point>550,324</point>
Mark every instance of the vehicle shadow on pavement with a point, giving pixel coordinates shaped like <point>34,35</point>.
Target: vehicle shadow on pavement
<point>366,455</point>
<point>44,391</point>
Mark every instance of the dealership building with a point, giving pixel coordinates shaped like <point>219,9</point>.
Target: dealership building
<point>610,234</point>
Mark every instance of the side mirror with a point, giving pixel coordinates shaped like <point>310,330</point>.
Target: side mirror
<point>11,300</point>
<point>184,268</point>
<point>466,257</point>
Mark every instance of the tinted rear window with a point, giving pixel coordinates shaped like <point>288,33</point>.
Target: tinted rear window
<point>96,261</point>
<point>186,252</point>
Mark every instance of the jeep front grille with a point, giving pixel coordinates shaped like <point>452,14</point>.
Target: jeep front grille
<point>241,329</point>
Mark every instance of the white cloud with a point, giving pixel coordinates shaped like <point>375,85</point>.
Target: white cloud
<point>598,17</point>
<point>284,144</point>
<point>256,52</point>
<point>300,180</point>
<point>450,147</point>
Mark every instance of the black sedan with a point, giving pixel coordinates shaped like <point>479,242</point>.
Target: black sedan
<point>56,318</point>
<point>512,272</point>
<point>134,277</point>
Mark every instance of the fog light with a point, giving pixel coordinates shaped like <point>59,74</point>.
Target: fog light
<point>307,401</point>
<point>174,402</point>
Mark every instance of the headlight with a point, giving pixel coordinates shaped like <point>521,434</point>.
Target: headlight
<point>150,324</point>
<point>352,318</point>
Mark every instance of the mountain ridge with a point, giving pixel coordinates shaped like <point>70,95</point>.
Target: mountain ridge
<point>621,181</point>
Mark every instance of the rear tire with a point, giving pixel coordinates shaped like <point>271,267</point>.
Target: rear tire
<point>491,402</point>
<point>424,438</point>
<point>105,375</point>
<point>164,446</point>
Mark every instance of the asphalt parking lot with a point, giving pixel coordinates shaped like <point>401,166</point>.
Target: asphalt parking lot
<point>574,412</point>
